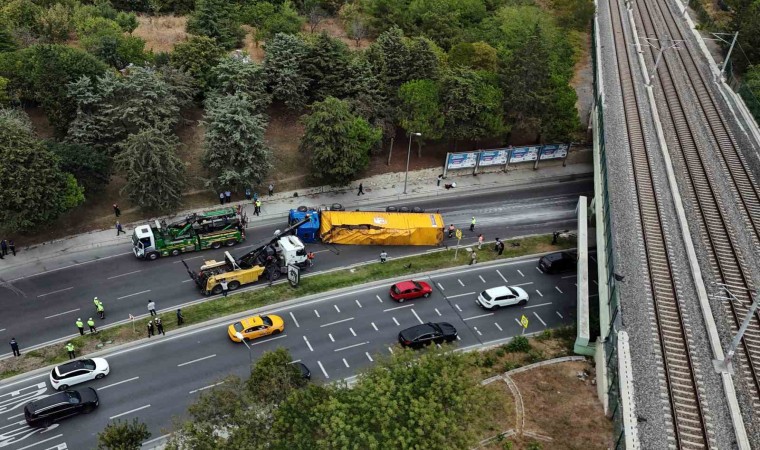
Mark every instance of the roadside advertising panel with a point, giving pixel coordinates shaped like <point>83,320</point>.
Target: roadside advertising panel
<point>496,157</point>
<point>524,154</point>
<point>462,160</point>
<point>554,151</point>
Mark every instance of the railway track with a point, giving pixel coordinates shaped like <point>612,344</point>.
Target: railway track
<point>727,264</point>
<point>689,419</point>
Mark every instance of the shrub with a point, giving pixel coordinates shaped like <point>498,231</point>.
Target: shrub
<point>519,344</point>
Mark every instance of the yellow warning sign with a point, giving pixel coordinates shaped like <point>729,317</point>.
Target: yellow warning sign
<point>524,321</point>
<point>458,234</point>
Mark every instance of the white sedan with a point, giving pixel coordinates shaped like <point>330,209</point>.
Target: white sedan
<point>79,371</point>
<point>501,296</point>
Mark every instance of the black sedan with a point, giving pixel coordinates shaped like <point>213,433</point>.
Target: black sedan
<point>427,333</point>
<point>45,411</point>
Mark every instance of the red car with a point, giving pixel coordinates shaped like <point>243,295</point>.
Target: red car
<point>407,290</point>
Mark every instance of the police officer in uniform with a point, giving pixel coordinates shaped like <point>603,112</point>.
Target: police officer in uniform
<point>80,325</point>
<point>70,349</point>
<point>91,324</point>
<point>160,326</point>
<point>101,310</point>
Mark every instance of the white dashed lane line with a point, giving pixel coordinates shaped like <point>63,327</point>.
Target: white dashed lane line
<point>336,322</point>
<point>324,372</point>
<point>374,326</point>
<point>570,276</point>
<point>539,318</point>
<point>502,276</point>
<point>332,339</point>
<point>352,331</point>
<point>437,312</point>
<point>206,387</point>
<point>457,307</point>
<point>294,320</point>
<point>560,315</point>
<point>539,270</point>
<point>129,412</point>
<point>520,272</point>
<point>357,303</point>
<point>481,278</point>
<point>395,321</point>
<point>132,295</point>
<point>498,326</point>
<point>337,309</point>
<point>415,315</point>
<point>380,299</point>
<point>558,289</point>
<point>196,360</point>
<point>60,314</point>
<point>308,345</point>
<point>268,340</point>
<point>440,286</point>
<point>369,357</point>
<point>460,282</point>
<point>118,383</point>
<point>317,313</point>
<point>478,317</point>
<point>351,346</point>
<point>539,293</point>
<point>477,331</point>
<point>461,295</point>
<point>55,292</point>
<point>123,274</point>
<point>518,322</point>
<point>346,363</point>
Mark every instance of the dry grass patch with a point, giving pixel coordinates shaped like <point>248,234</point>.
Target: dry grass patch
<point>255,50</point>
<point>501,407</point>
<point>334,28</point>
<point>161,33</point>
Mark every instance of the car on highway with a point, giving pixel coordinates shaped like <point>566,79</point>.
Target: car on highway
<point>558,262</point>
<point>255,327</point>
<point>45,411</point>
<point>502,296</point>
<point>427,333</point>
<point>79,371</point>
<point>407,290</point>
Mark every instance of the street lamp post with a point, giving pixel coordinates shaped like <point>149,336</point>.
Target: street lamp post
<point>239,335</point>
<point>408,155</point>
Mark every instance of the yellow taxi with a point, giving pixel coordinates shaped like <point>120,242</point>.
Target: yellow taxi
<point>256,326</point>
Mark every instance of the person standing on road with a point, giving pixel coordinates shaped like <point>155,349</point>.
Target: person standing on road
<point>473,258</point>
<point>452,229</point>
<point>116,210</point>
<point>440,177</point>
<point>96,301</point>
<point>70,349</point>
<point>80,325</point>
<point>247,193</point>
<point>160,326</point>
<point>499,247</point>
<point>361,190</point>
<point>180,317</point>
<point>91,324</point>
<point>101,310</point>
<point>223,283</point>
<point>12,246</point>
<point>4,247</point>
<point>227,196</point>
<point>271,189</point>
<point>150,328</point>
<point>383,257</point>
<point>221,198</point>
<point>257,207</point>
<point>480,241</point>
<point>472,224</point>
<point>14,347</point>
<point>119,229</point>
<point>152,308</point>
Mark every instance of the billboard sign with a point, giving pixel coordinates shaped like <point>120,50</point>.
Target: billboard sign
<point>524,154</point>
<point>462,160</point>
<point>496,157</point>
<point>554,151</point>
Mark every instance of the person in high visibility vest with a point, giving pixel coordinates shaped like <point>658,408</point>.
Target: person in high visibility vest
<point>101,310</point>
<point>472,224</point>
<point>80,325</point>
<point>91,324</point>
<point>70,349</point>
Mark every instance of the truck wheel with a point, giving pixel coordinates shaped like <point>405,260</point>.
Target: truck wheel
<point>216,290</point>
<point>230,243</point>
<point>175,252</point>
<point>153,256</point>
<point>273,274</point>
<point>216,245</point>
<point>302,209</point>
<point>233,285</point>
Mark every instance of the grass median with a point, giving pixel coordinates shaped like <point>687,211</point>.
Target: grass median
<point>243,301</point>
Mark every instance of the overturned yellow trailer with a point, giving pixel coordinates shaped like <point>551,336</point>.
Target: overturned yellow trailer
<point>380,228</point>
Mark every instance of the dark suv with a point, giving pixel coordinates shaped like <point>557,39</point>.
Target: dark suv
<point>427,333</point>
<point>558,262</point>
<point>45,411</point>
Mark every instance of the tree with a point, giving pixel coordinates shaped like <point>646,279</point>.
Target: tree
<point>123,435</point>
<point>326,66</point>
<point>197,56</point>
<point>235,151</point>
<point>474,55</point>
<point>7,41</point>
<point>354,21</point>
<point>91,168</point>
<point>155,174</point>
<point>285,20</point>
<point>471,106</point>
<point>284,72</point>
<point>127,21</point>
<point>21,14</point>
<point>56,23</point>
<point>239,73</point>
<point>387,14</point>
<point>116,50</point>
<point>25,204</point>
<point>338,141</point>
<point>216,19</point>
<point>420,110</point>
<point>274,377</point>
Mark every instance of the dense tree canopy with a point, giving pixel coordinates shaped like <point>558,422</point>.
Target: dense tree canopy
<point>91,168</point>
<point>283,65</point>
<point>197,56</point>
<point>125,435</point>
<point>217,20</point>
<point>239,74</point>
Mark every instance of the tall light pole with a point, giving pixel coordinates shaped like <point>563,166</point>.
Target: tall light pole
<point>239,335</point>
<point>408,155</point>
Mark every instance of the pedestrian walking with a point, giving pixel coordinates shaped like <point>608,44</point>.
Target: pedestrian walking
<point>116,210</point>
<point>247,193</point>
<point>383,256</point>
<point>95,301</point>
<point>91,324</point>
<point>452,229</point>
<point>180,317</point>
<point>473,258</point>
<point>227,196</point>
<point>12,246</point>
<point>361,190</point>
<point>80,325</point>
<point>472,224</point>
<point>499,247</point>
<point>480,241</point>
<point>70,349</point>
<point>150,328</point>
<point>14,347</point>
<point>152,308</point>
<point>101,310</point>
<point>160,326</point>
<point>119,229</point>
<point>221,198</point>
<point>4,247</point>
<point>223,283</point>
<point>255,196</point>
<point>271,189</point>
<point>440,177</point>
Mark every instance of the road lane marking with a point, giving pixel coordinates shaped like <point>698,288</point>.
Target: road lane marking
<point>560,290</point>
<point>337,309</point>
<point>461,295</point>
<point>478,317</point>
<point>294,320</point>
<point>187,281</point>
<point>118,383</point>
<point>458,339</point>
<point>539,318</point>
<point>481,278</point>
<point>2,329</point>
<point>337,321</point>
<point>415,315</point>
<point>539,293</point>
<point>536,306</point>
<point>323,369</point>
<point>13,417</point>
<point>332,339</point>
<point>129,412</point>
<point>457,306</point>
<point>155,439</point>
<point>520,272</point>
<point>55,292</point>
<point>346,363</point>
<point>502,276</point>
<point>369,357</point>
<point>477,331</point>
<point>295,361</point>
<point>357,303</point>
<point>196,257</point>
<point>498,326</point>
<point>132,295</point>
<point>396,321</point>
<point>378,297</point>
<point>437,312</point>
<point>374,326</point>
<point>206,387</point>
<point>41,442</point>
<point>570,276</point>
<point>60,314</point>
<point>196,360</point>
<point>440,286</point>
<point>352,330</point>
<point>460,282</point>
<point>123,274</point>
<point>317,313</point>
<point>308,344</point>
<point>351,346</point>
<point>390,350</point>
<point>560,315</point>
<point>398,307</point>
<point>269,340</point>
<point>518,322</point>
<point>523,284</point>
<point>539,270</point>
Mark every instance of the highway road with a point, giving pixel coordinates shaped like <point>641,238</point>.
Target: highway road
<point>46,305</point>
<point>334,335</point>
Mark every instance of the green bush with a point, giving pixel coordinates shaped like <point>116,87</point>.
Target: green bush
<point>535,356</point>
<point>127,21</point>
<point>544,336</point>
<point>519,344</point>
<point>510,365</point>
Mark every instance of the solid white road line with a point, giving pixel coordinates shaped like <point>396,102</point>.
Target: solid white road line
<point>308,344</point>
<point>560,290</point>
<point>123,274</point>
<point>294,320</point>
<point>461,295</point>
<point>440,286</point>
<point>395,321</point>
<point>539,293</point>
<point>60,314</point>
<point>187,281</point>
<point>502,276</point>
<point>481,278</point>
<point>117,383</point>
<point>369,357</point>
<point>415,315</point>
<point>132,295</point>
<point>378,297</point>
<point>456,305</point>
<point>55,292</point>
<point>333,323</point>
<point>478,317</point>
<point>129,412</point>
<point>337,309</point>
<point>352,331</point>
<point>460,282</point>
<point>196,360</point>
<point>332,339</point>
<point>437,312</point>
<point>560,315</point>
<point>345,362</point>
<point>323,369</point>
<point>268,340</point>
<point>536,306</point>
<point>498,326</point>
<point>520,272</point>
<point>41,442</point>
<point>206,387</point>
<point>2,329</point>
<point>351,346</point>
<point>357,303</point>
<point>374,326</point>
<point>539,318</point>
<point>295,361</point>
<point>398,307</point>
<point>17,415</point>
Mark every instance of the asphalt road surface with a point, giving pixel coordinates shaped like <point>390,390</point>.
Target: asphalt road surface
<point>334,335</point>
<point>46,305</point>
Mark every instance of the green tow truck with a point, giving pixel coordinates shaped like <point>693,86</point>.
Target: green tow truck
<point>211,229</point>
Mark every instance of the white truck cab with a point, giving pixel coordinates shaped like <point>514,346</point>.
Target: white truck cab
<point>291,250</point>
<point>143,241</point>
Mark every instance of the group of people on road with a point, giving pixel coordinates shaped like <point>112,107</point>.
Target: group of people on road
<point>226,196</point>
<point>7,246</point>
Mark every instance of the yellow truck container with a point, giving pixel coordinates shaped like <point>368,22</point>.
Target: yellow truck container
<point>380,228</point>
